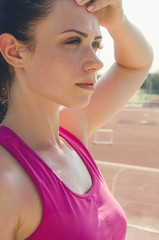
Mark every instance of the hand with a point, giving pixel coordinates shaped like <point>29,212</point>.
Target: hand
<point>109,12</point>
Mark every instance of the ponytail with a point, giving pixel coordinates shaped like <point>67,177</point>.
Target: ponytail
<point>18,17</point>
<point>4,87</point>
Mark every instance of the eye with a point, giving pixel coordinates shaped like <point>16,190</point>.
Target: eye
<point>73,41</point>
<point>97,45</point>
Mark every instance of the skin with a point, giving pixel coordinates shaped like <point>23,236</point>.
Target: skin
<point>52,76</point>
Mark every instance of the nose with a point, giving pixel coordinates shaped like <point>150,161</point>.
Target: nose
<point>92,63</point>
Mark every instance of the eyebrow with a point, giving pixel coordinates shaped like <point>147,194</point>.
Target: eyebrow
<point>85,35</point>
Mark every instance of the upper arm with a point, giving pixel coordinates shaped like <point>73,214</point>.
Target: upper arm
<point>8,204</point>
<point>7,211</point>
<point>112,92</point>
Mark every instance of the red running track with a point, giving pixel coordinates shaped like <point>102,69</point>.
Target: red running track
<point>130,167</point>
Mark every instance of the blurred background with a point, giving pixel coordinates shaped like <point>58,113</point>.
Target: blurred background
<point>126,149</point>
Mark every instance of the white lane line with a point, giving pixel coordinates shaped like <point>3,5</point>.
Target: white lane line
<point>143,228</point>
<point>128,166</point>
<point>144,203</point>
<point>115,179</point>
<point>140,110</point>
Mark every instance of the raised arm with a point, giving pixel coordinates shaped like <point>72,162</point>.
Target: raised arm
<point>133,56</point>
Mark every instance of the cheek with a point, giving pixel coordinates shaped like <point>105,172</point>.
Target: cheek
<point>63,68</point>
<point>55,65</point>
<point>52,74</point>
<point>47,77</point>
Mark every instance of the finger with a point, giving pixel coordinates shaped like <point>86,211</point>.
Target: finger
<point>97,5</point>
<point>82,2</point>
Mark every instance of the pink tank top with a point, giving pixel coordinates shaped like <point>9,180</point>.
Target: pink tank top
<point>67,215</point>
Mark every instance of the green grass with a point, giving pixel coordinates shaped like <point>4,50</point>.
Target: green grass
<point>140,96</point>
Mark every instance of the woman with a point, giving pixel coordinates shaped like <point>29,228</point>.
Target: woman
<point>50,187</point>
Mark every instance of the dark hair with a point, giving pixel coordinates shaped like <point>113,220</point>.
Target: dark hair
<point>18,17</point>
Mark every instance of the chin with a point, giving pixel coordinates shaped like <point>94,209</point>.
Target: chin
<point>80,105</point>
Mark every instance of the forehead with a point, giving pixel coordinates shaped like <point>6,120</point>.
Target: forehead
<point>66,14</point>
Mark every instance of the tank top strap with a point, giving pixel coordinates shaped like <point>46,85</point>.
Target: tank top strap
<point>80,148</point>
<point>22,152</point>
<point>29,160</point>
<point>4,136</point>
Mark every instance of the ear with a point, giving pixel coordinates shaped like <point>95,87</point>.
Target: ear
<point>10,49</point>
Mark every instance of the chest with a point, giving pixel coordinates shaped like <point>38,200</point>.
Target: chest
<point>70,169</point>
<point>77,215</point>
<point>66,214</point>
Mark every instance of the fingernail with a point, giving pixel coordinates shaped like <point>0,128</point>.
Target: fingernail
<point>78,1</point>
<point>89,8</point>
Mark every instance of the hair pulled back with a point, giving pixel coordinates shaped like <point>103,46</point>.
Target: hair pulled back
<point>18,17</point>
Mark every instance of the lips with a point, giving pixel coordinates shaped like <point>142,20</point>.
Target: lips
<point>90,85</point>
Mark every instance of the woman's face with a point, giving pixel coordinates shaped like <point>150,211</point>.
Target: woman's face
<point>64,64</point>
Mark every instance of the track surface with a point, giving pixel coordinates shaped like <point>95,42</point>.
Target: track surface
<point>130,167</point>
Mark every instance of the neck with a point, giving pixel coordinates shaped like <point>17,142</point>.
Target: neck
<point>35,120</point>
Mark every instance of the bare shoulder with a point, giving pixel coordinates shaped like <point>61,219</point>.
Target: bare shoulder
<point>8,199</point>
<point>20,203</point>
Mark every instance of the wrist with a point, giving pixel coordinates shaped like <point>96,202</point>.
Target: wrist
<point>119,25</point>
<point>121,30</point>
